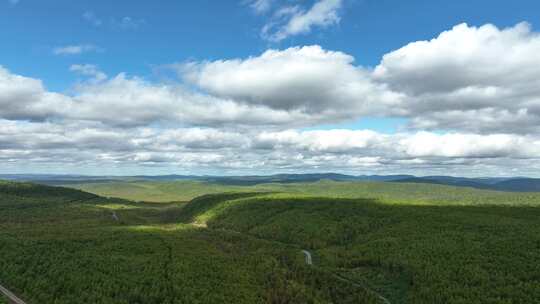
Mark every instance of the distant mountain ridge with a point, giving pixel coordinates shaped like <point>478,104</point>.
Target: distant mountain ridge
<point>229,180</point>
<point>517,184</point>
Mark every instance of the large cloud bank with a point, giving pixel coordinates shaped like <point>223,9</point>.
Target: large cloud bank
<point>471,99</point>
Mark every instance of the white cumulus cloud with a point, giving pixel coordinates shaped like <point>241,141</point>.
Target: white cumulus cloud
<point>76,49</point>
<point>89,70</point>
<point>470,97</point>
<point>481,79</point>
<point>294,20</point>
<point>92,18</point>
<point>260,6</point>
<point>309,79</point>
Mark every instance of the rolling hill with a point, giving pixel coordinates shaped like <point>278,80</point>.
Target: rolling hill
<point>505,184</point>
<point>516,184</point>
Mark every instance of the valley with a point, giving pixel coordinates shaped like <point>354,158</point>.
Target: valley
<point>368,243</point>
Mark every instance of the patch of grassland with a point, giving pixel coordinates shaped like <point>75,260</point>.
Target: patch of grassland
<point>154,191</point>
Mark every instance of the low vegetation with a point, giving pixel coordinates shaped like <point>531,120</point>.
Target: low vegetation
<point>150,191</point>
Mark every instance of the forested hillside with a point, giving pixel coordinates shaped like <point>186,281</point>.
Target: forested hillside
<point>409,253</point>
<point>402,243</point>
<point>66,246</point>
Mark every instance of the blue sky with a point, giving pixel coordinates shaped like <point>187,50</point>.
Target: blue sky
<point>174,31</point>
<point>93,57</point>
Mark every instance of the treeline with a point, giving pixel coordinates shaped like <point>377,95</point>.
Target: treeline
<point>24,195</point>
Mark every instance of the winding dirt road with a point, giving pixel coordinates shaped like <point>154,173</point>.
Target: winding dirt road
<point>12,298</point>
<point>309,261</point>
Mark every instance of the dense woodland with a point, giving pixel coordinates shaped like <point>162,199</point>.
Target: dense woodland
<point>406,243</point>
<point>71,250</point>
<point>417,254</point>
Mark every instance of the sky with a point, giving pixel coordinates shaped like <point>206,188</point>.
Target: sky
<point>270,86</point>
